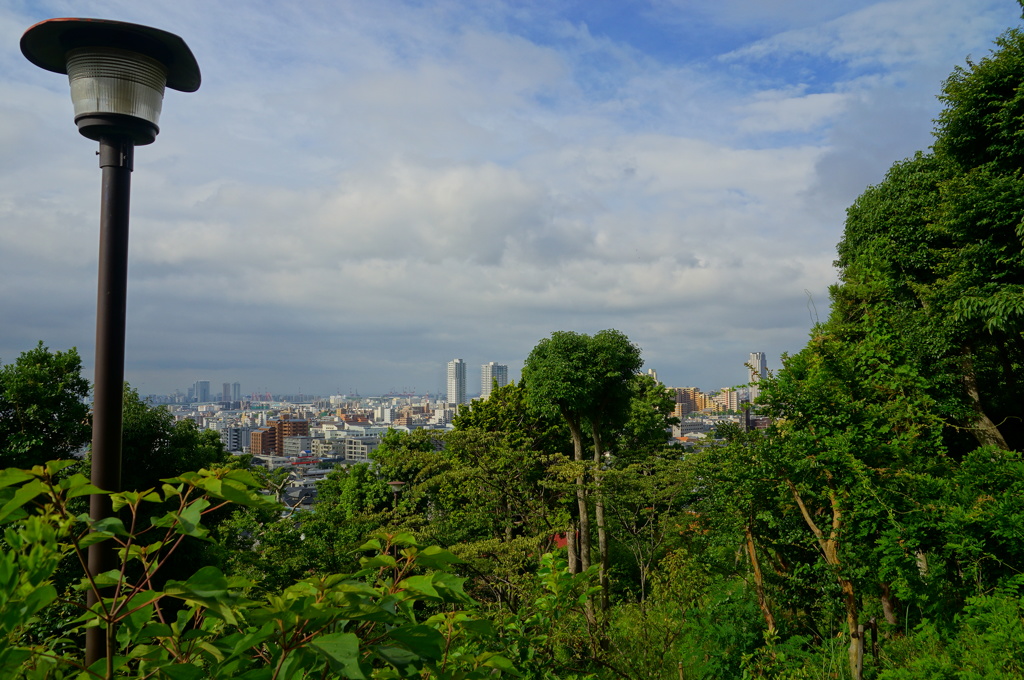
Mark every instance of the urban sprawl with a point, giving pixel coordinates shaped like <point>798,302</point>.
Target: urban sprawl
<point>312,435</point>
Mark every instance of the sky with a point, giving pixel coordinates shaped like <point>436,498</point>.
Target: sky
<point>361,191</point>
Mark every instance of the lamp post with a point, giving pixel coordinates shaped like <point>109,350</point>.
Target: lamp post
<point>117,72</point>
<point>396,486</point>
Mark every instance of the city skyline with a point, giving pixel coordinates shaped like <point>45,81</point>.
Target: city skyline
<point>359,190</point>
<point>456,381</point>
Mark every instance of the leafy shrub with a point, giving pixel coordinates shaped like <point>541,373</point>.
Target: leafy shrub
<point>362,625</point>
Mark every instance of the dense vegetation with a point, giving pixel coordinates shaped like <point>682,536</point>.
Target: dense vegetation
<point>874,530</point>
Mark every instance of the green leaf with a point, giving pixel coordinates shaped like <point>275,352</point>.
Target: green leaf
<point>85,490</point>
<point>397,656</point>
<point>132,624</point>
<point>404,539</point>
<point>110,525</point>
<point>37,599</point>
<point>493,660</point>
<point>434,557</point>
<point>210,588</point>
<point>23,495</point>
<point>132,498</point>
<point>449,587</point>
<point>421,584</point>
<point>423,640</point>
<point>377,561</point>
<point>481,627</point>
<point>55,466</point>
<point>342,651</point>
<point>12,476</point>
<point>94,537</point>
<point>184,671</point>
<point>188,521</point>
<point>153,630</point>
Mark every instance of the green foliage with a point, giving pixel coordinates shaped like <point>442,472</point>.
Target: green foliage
<point>154,446</point>
<point>255,544</point>
<point>985,645</point>
<point>646,429</point>
<point>359,626</point>
<point>508,411</point>
<point>541,637</point>
<point>935,253</point>
<point>647,504</point>
<point>979,522</point>
<point>43,414</point>
<point>984,108</point>
<point>495,504</point>
<point>582,377</point>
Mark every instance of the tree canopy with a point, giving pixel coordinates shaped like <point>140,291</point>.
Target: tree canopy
<point>43,414</point>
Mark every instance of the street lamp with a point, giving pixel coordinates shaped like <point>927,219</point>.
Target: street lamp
<point>117,72</point>
<point>396,486</point>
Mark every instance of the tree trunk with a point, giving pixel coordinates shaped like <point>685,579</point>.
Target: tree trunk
<point>888,605</point>
<point>581,501</point>
<point>602,535</point>
<point>762,600</point>
<point>856,630</point>
<point>984,430</point>
<point>572,546</point>
<point>507,512</point>
<point>581,492</point>
<point>857,652</point>
<point>830,550</point>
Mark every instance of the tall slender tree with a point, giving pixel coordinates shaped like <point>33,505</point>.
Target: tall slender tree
<point>585,379</point>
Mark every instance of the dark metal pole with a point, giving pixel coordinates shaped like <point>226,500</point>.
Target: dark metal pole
<point>116,159</point>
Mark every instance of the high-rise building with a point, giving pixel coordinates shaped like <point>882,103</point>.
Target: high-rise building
<point>689,400</point>
<point>202,391</point>
<point>270,437</point>
<point>225,392</point>
<point>236,438</point>
<point>758,367</point>
<point>758,371</point>
<point>457,381</point>
<point>489,374</point>
<point>236,392</point>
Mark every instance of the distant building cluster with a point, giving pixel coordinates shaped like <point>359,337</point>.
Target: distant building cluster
<point>491,374</point>
<point>312,436</point>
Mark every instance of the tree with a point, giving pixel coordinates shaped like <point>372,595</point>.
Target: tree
<point>644,500</point>
<point>937,246</point>
<point>43,414</point>
<point>154,446</point>
<point>917,365</point>
<point>587,381</point>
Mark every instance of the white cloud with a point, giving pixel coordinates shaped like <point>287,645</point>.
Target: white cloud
<point>774,111</point>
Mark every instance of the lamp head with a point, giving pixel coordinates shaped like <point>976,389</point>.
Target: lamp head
<point>117,71</point>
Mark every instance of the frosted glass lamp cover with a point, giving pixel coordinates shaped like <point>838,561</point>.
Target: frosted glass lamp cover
<point>117,72</point>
